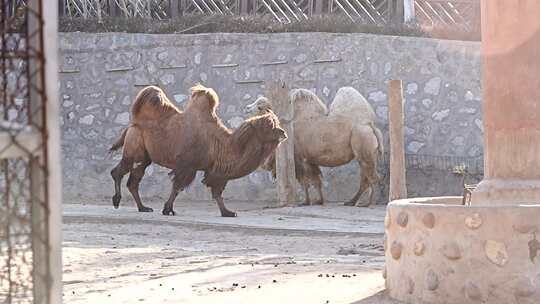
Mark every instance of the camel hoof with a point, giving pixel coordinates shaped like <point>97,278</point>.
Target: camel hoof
<point>116,201</point>
<point>146,209</point>
<point>363,205</point>
<point>168,212</point>
<point>304,204</point>
<point>349,204</point>
<point>228,213</point>
<point>318,203</point>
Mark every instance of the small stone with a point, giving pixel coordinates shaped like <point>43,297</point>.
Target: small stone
<point>378,96</point>
<point>408,131</point>
<point>427,102</point>
<point>412,88</point>
<point>467,110</point>
<point>179,98</point>
<point>432,280</point>
<point>231,109</point>
<point>246,97</point>
<point>300,58</point>
<point>198,58</point>
<point>496,252</point>
<point>451,251</point>
<point>235,122</point>
<point>326,91</point>
<point>68,103</point>
<point>387,68</point>
<point>474,221</point>
<point>203,77</point>
<point>458,141</point>
<point>87,120</point>
<point>469,96</point>
<point>382,112</point>
<point>472,291</point>
<point>415,146</point>
<point>162,55</point>
<point>395,250</point>
<point>479,124</point>
<point>228,58</point>
<point>419,248</point>
<point>524,288</point>
<point>440,115</point>
<point>433,86</point>
<point>167,79</point>
<point>429,220</point>
<point>122,118</point>
<point>410,286</point>
<point>126,100</point>
<point>402,219</point>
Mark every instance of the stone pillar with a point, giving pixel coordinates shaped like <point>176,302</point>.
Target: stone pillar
<point>511,103</point>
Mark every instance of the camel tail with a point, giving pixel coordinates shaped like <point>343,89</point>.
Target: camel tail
<point>378,134</point>
<point>120,142</point>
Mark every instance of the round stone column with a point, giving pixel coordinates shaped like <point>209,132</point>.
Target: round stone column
<point>511,103</point>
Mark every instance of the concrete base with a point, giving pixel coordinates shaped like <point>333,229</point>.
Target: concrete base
<point>506,192</point>
<point>438,251</point>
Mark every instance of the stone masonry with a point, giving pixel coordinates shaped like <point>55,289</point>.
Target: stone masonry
<point>101,74</point>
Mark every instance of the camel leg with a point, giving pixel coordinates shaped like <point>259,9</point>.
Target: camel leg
<point>217,190</point>
<point>318,184</point>
<point>364,185</point>
<point>134,181</point>
<point>117,174</point>
<point>305,186</point>
<point>168,207</point>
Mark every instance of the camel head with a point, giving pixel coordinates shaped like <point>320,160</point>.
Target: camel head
<point>265,129</point>
<point>261,106</point>
<point>268,129</point>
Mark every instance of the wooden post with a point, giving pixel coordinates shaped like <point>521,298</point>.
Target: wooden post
<point>278,94</point>
<point>398,188</point>
<point>244,7</point>
<point>408,11</point>
<point>396,11</point>
<point>174,5</point>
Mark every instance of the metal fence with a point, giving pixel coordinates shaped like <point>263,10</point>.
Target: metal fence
<point>24,209</point>
<point>463,14</point>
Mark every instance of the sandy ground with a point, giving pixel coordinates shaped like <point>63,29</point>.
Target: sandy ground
<point>318,254</point>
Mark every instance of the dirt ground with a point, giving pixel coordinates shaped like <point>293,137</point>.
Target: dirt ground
<point>318,254</point>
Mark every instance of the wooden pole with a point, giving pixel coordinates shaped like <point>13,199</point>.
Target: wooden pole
<point>278,94</point>
<point>174,9</point>
<point>408,11</point>
<point>398,188</point>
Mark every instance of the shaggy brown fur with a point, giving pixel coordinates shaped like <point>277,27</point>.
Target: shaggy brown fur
<point>191,141</point>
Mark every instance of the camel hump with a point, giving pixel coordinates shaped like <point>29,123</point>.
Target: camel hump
<point>307,104</point>
<point>350,103</point>
<point>203,99</point>
<point>151,104</point>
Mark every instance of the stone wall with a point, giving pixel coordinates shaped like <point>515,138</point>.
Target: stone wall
<point>101,73</point>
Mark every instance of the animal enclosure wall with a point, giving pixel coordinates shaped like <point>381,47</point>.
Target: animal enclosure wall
<point>101,73</point>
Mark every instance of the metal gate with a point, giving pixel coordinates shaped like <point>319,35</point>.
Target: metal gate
<point>29,239</point>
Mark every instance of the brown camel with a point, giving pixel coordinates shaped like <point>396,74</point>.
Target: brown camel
<point>330,138</point>
<point>189,141</point>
